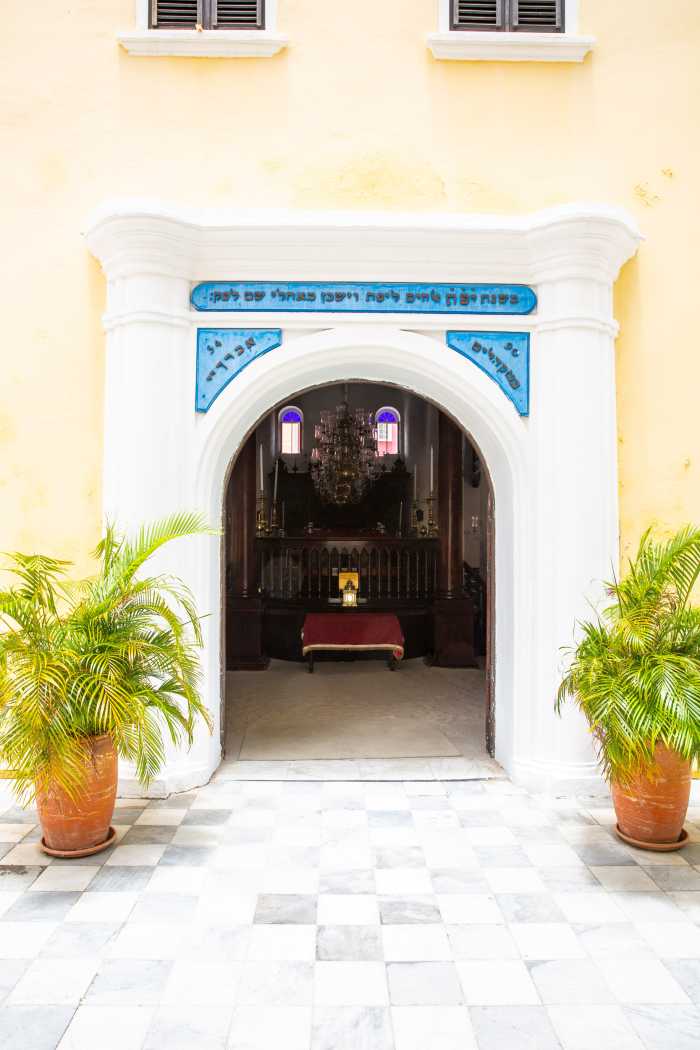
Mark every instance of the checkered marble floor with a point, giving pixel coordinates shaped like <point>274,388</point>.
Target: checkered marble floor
<point>350,916</point>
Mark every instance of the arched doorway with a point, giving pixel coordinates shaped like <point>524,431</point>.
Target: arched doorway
<point>414,536</point>
<point>553,472</point>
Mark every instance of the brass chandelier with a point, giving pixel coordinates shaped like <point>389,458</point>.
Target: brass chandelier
<point>344,458</point>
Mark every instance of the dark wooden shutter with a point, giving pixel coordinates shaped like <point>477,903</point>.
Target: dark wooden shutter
<point>238,14</point>
<point>537,16</point>
<point>478,14</point>
<point>176,14</point>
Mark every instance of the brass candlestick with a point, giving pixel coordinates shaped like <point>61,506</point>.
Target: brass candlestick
<point>261,523</point>
<point>414,518</point>
<point>432,524</point>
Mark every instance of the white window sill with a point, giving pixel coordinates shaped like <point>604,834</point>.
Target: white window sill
<point>188,43</point>
<point>510,47</point>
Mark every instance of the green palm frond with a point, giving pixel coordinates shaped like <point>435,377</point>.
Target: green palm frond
<point>114,653</point>
<point>635,672</point>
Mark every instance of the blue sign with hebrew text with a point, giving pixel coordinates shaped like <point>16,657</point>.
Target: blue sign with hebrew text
<point>362,297</point>
<point>503,356</point>
<point>223,353</point>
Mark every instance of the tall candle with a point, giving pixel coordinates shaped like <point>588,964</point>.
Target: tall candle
<point>431,470</point>
<point>262,482</point>
<point>400,517</point>
<point>277,467</point>
<point>415,483</point>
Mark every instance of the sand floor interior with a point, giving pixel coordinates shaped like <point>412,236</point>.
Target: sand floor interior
<point>358,718</point>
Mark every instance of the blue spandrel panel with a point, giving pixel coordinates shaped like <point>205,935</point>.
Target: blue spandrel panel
<point>223,353</point>
<point>503,356</point>
<point>363,297</point>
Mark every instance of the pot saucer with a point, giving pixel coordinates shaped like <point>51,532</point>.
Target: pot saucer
<point>655,847</point>
<point>68,853</point>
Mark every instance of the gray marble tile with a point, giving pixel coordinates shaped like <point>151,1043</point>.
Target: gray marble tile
<point>349,943</point>
<point>149,834</point>
<point>183,800</point>
<point>41,907</point>
<point>190,856</point>
<point>17,877</point>
<point>286,908</point>
<point>674,877</point>
<point>691,853</point>
<point>424,984</point>
<point>126,814</point>
<point>118,879</point>
<point>20,815</point>
<point>399,857</point>
<point>134,981</point>
<point>513,1028</point>
<point>5,847</point>
<point>408,909</point>
<point>598,855</point>
<point>687,973</point>
<point>358,881</point>
<point>666,1027</point>
<point>208,817</point>
<point>33,1027</point>
<point>76,939</point>
<point>529,907</point>
<point>459,880</point>
<point>351,1028</point>
<point>10,972</point>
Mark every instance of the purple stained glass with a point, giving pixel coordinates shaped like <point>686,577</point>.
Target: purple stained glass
<point>387,417</point>
<point>291,416</point>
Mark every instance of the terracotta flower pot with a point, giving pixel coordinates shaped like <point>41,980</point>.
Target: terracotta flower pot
<point>651,809</point>
<point>78,826</point>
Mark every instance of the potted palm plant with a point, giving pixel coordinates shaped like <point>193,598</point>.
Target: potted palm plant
<point>635,674</point>
<point>92,670</point>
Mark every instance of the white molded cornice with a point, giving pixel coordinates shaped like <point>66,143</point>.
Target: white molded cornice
<point>189,43</point>
<point>510,47</point>
<point>138,237</point>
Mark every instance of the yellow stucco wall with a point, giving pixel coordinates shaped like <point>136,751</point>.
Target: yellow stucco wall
<point>354,114</point>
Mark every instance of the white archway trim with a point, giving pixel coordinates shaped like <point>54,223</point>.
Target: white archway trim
<point>554,473</point>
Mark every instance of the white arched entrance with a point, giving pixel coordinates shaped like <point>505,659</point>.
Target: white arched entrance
<point>554,472</point>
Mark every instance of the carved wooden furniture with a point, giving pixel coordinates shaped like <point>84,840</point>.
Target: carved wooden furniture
<point>352,632</point>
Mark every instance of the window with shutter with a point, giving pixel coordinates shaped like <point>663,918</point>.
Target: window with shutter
<point>176,14</point>
<point>523,16</point>
<point>238,14</point>
<point>209,14</point>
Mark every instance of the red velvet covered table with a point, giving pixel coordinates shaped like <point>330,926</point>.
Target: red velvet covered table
<point>352,632</point>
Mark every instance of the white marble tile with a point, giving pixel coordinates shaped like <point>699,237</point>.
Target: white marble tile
<point>419,942</point>
<point>104,906</point>
<point>424,984</point>
<point>577,981</point>
<point>514,880</point>
<point>641,981</point>
<point>398,881</point>
<point>351,1028</point>
<point>672,940</point>
<point>24,940</point>
<point>354,909</point>
<point>130,856</point>
<point>107,1027</point>
<point>497,983</point>
<point>27,854</point>
<point>274,983</point>
<point>147,940</point>
<point>195,983</point>
<point>14,833</point>
<point>282,943</point>
<point>58,877</point>
<point>649,907</point>
<point>590,906</point>
<point>593,1028</point>
<point>55,982</point>
<point>275,1026</point>
<point>432,1028</point>
<point>290,880</point>
<point>482,942</point>
<point>187,1027</point>
<point>350,984</point>
<point>161,816</point>
<point>546,940</point>
<point>177,878</point>
<point>552,855</point>
<point>460,908</point>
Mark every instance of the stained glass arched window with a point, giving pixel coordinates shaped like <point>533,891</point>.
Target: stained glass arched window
<point>388,422</point>
<point>291,420</point>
